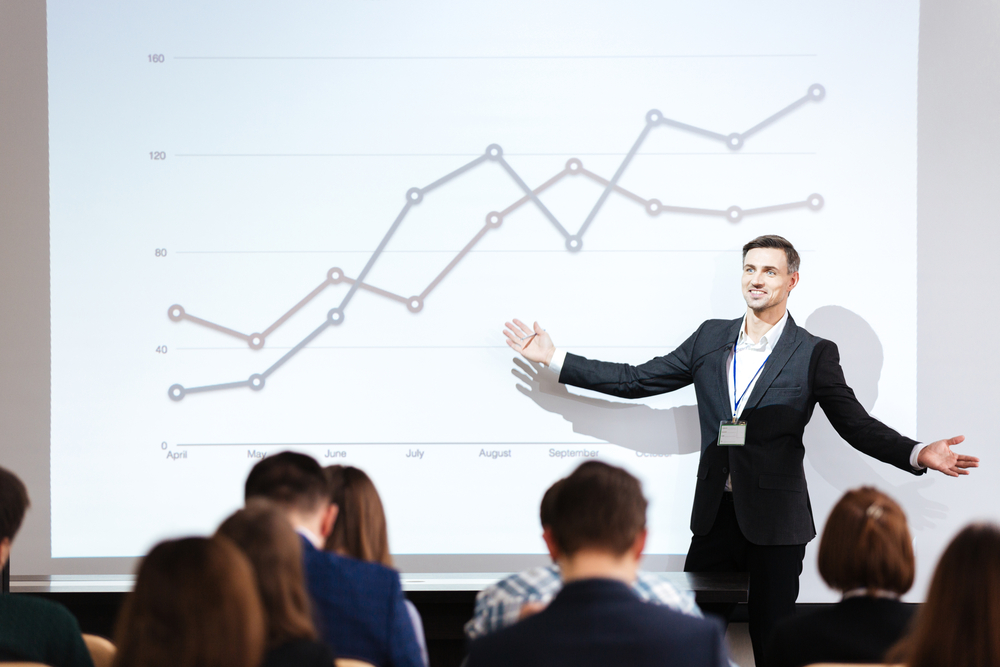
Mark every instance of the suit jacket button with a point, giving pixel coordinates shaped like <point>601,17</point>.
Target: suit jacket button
<point>725,471</point>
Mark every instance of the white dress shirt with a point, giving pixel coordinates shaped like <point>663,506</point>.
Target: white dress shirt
<point>313,538</point>
<point>750,358</point>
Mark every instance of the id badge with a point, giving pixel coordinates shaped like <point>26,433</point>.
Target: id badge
<point>732,435</point>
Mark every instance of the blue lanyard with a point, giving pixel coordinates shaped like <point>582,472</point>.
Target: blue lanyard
<point>737,401</point>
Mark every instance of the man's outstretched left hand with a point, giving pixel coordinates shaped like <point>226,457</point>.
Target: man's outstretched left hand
<point>938,456</point>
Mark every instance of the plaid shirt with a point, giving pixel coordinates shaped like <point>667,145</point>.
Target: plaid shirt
<point>500,605</point>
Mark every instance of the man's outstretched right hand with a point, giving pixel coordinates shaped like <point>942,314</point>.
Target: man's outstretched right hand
<point>532,342</point>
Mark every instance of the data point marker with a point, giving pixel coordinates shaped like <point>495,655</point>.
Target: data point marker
<point>573,242</point>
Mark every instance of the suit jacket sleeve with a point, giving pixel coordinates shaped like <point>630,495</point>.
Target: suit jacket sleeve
<point>656,376</point>
<point>404,651</point>
<point>849,417</point>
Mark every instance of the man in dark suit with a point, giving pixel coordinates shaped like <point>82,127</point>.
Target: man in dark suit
<point>757,380</point>
<point>596,535</point>
<point>358,606</point>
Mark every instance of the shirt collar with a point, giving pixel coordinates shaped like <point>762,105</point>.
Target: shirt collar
<point>767,341</point>
<point>313,538</point>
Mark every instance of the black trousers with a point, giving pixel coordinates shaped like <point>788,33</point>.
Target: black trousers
<point>774,573</point>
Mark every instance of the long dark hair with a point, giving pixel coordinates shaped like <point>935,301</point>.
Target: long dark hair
<point>360,530</point>
<point>269,541</point>
<point>195,603</point>
<point>958,624</point>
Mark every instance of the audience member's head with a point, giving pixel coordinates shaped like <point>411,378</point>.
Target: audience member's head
<point>297,484</point>
<point>547,507</point>
<point>360,530</point>
<point>958,623</point>
<point>264,535</point>
<point>195,603</point>
<point>598,515</point>
<point>866,545</point>
<point>13,504</point>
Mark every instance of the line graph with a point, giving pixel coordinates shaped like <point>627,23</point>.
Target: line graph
<point>493,220</point>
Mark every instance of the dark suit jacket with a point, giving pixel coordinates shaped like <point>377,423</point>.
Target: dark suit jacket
<point>857,629</point>
<point>602,622</point>
<point>359,609</point>
<point>769,483</point>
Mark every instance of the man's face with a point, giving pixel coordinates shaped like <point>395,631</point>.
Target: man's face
<point>766,281</point>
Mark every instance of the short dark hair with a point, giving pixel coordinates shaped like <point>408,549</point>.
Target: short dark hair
<point>548,502</point>
<point>293,480</point>
<point>775,241</point>
<point>866,544</point>
<point>14,503</point>
<point>598,507</point>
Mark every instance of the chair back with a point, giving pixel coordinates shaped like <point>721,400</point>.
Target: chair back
<point>102,651</point>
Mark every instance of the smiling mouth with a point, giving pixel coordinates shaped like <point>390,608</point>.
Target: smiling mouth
<point>757,292</point>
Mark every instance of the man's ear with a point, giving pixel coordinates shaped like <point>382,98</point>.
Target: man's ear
<point>551,544</point>
<point>4,551</point>
<point>793,282</point>
<point>639,545</point>
<point>329,518</point>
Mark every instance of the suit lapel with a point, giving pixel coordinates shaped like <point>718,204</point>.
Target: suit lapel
<point>722,364</point>
<point>787,345</point>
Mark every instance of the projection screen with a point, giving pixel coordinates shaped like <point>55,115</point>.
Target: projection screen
<point>302,226</point>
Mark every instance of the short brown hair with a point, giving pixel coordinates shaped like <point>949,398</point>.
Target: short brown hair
<point>14,503</point>
<point>546,508</point>
<point>866,544</point>
<point>360,530</point>
<point>598,507</point>
<point>775,241</point>
<point>274,549</point>
<point>293,480</point>
<point>957,624</point>
<point>195,603</point>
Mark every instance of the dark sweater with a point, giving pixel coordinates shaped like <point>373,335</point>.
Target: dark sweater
<point>36,630</point>
<point>858,629</point>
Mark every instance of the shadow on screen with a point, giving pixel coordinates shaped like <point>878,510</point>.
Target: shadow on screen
<point>839,464</point>
<point>633,426</point>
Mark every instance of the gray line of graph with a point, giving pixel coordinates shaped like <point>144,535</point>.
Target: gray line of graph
<point>573,242</point>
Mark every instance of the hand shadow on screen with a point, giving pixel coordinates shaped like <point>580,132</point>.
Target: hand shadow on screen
<point>837,462</point>
<point>633,426</point>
